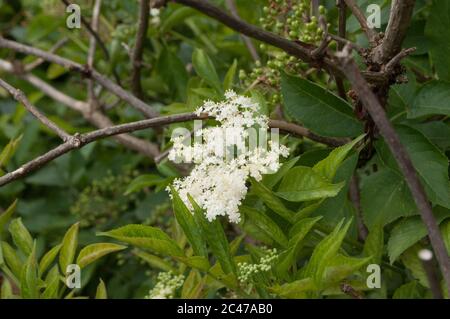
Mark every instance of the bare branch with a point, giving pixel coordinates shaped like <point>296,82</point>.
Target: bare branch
<point>389,67</point>
<point>376,111</point>
<point>144,108</point>
<point>91,53</point>
<point>342,35</point>
<point>356,199</point>
<point>399,21</point>
<point>32,65</point>
<point>78,141</point>
<point>21,98</point>
<point>231,5</point>
<point>359,15</point>
<point>138,50</point>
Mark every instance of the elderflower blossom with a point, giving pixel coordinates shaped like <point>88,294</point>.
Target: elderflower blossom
<point>218,181</point>
<point>246,270</point>
<point>166,286</point>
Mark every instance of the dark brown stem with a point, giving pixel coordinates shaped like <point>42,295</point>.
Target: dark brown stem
<point>377,113</point>
<point>343,35</point>
<point>426,257</point>
<point>359,15</point>
<point>138,50</point>
<point>356,200</point>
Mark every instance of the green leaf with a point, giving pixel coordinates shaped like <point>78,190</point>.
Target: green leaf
<point>266,225</point>
<point>324,253</point>
<point>29,278</point>
<point>437,31</point>
<point>8,151</point>
<point>318,109</point>
<point>215,237</point>
<point>197,262</point>
<point>409,231</point>
<point>68,247</point>
<point>21,237</point>
<point>411,261</point>
<point>173,72</point>
<point>340,267</point>
<point>289,257</point>
<point>270,180</point>
<point>146,237</point>
<point>154,261</point>
<point>178,16</point>
<point>431,99</point>
<point>48,258</point>
<point>12,259</point>
<point>205,69</point>
<point>374,244</point>
<point>93,252</point>
<point>430,163</point>
<point>228,81</point>
<point>296,289</point>
<point>445,230</point>
<point>329,166</point>
<point>385,198</point>
<point>101,291</point>
<point>6,291</point>
<point>303,184</point>
<point>187,222</point>
<point>6,216</point>
<point>273,202</point>
<point>52,281</point>
<point>411,290</point>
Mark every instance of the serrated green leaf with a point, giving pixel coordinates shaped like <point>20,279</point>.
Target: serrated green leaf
<point>20,235</point>
<point>6,291</point>
<point>146,237</point>
<point>68,247</point>
<point>374,244</point>
<point>187,222</point>
<point>318,109</point>
<point>303,184</point>
<point>411,290</point>
<point>266,225</point>
<point>93,252</point>
<point>205,69</point>
<point>12,259</point>
<point>29,278</point>
<point>52,282</point>
<point>197,262</point>
<point>431,100</point>
<point>48,258</point>
<point>154,261</point>
<point>270,180</point>
<point>296,289</point>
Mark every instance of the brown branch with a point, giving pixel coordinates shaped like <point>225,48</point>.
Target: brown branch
<point>95,117</point>
<point>93,103</point>
<point>138,104</point>
<point>426,258</point>
<point>342,34</point>
<point>359,15</point>
<point>231,5</point>
<point>32,65</point>
<point>138,50</point>
<point>77,141</point>
<point>21,98</point>
<point>356,200</point>
<point>377,113</point>
<point>389,67</point>
<point>349,290</point>
<point>399,21</point>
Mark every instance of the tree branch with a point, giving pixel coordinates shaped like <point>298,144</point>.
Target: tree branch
<point>231,5</point>
<point>138,104</point>
<point>376,111</point>
<point>359,15</point>
<point>32,65</point>
<point>138,50</point>
<point>91,54</point>
<point>21,98</point>
<point>399,21</point>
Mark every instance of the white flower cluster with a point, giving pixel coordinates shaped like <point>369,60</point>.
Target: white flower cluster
<point>166,286</point>
<point>246,270</point>
<point>154,14</point>
<point>218,180</point>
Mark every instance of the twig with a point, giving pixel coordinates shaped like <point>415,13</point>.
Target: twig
<point>389,67</point>
<point>231,5</point>
<point>93,103</point>
<point>376,111</point>
<point>95,117</point>
<point>32,65</point>
<point>399,21</point>
<point>359,15</point>
<point>342,35</point>
<point>21,98</point>
<point>356,199</point>
<point>426,257</point>
<point>349,290</point>
<point>114,88</point>
<point>321,49</point>
<point>138,50</point>
<point>304,132</point>
<point>77,141</point>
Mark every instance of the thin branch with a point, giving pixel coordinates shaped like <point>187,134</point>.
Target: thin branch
<point>231,5</point>
<point>389,67</point>
<point>342,34</point>
<point>378,114</point>
<point>399,22</point>
<point>356,200</point>
<point>94,117</point>
<point>138,104</point>
<point>298,130</point>
<point>359,15</point>
<point>138,50</point>
<point>32,65</point>
<point>426,257</point>
<point>321,49</point>
<point>77,141</point>
<point>349,290</point>
<point>21,98</point>
<point>91,53</point>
